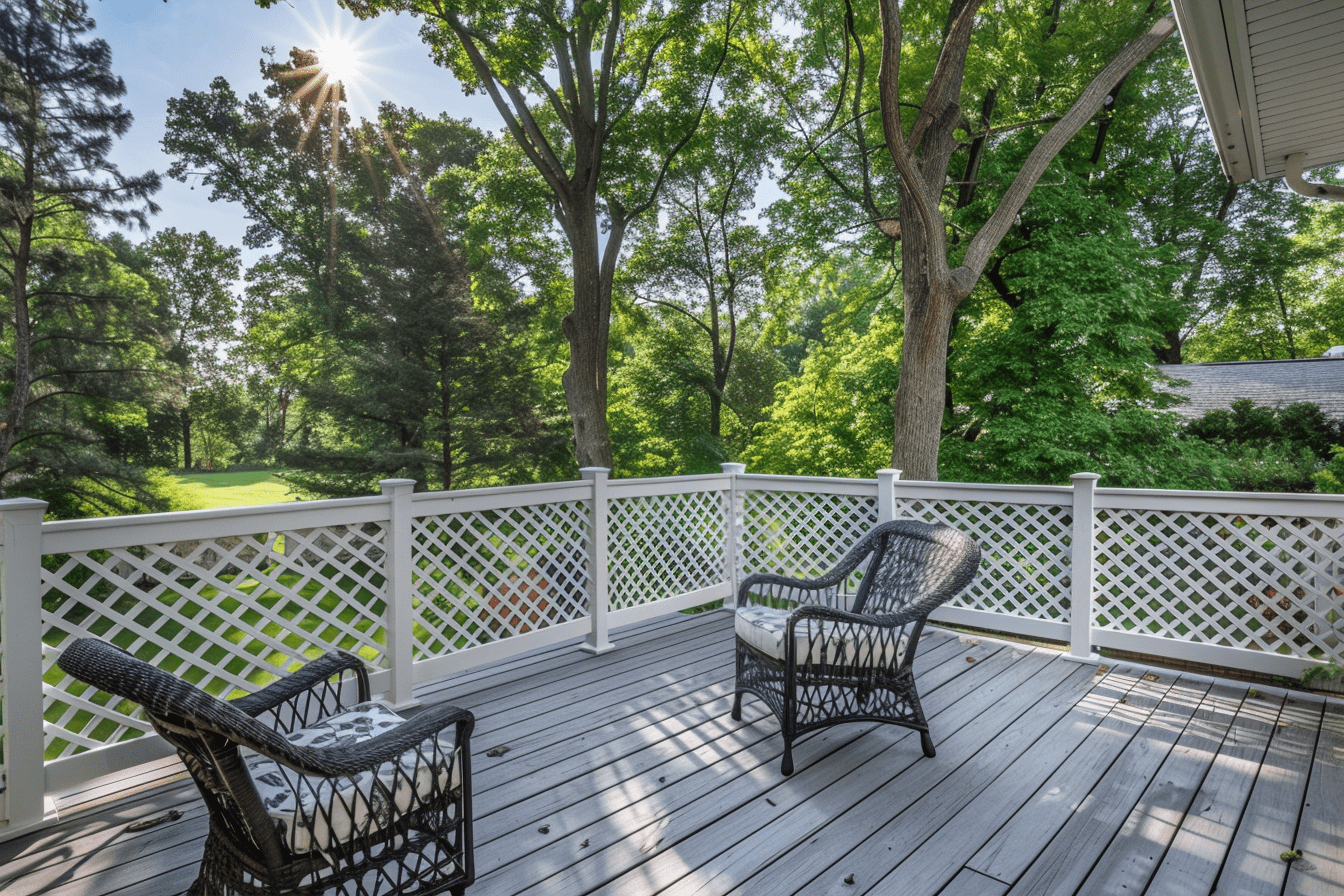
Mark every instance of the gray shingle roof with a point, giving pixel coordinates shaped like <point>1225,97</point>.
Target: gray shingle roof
<point>1268,383</point>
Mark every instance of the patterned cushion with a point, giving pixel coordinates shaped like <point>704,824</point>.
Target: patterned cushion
<point>765,628</point>
<point>328,811</point>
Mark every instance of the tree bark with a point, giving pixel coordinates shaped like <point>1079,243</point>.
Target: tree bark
<point>185,418</point>
<point>23,344</point>
<point>587,329</point>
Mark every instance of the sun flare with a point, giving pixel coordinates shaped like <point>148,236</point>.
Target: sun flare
<point>341,60</point>
<point>340,44</point>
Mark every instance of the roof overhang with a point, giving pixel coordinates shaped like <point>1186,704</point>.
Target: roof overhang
<point>1270,74</point>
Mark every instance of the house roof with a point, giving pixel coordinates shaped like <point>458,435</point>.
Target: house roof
<point>1268,383</point>
<point>1271,77</point>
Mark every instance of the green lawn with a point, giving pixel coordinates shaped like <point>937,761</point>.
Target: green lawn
<point>211,490</point>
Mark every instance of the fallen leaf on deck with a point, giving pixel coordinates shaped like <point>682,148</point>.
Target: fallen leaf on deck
<point>496,751</point>
<point>170,815</point>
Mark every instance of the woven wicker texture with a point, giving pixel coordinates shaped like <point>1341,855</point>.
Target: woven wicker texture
<point>848,656</point>
<point>419,845</point>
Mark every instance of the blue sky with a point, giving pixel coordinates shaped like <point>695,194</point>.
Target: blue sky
<point>161,49</point>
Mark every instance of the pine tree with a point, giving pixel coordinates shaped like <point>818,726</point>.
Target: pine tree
<point>58,119</point>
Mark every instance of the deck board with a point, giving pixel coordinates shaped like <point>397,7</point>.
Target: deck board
<point>624,774</point>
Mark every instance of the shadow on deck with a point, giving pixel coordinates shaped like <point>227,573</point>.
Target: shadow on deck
<point>624,774</point>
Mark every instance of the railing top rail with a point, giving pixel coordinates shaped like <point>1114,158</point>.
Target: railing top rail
<point>988,491</point>
<point>1221,502</point>
<point>666,485</point>
<point>187,525</point>
<point>705,478</point>
<point>498,498</point>
<point>824,484</point>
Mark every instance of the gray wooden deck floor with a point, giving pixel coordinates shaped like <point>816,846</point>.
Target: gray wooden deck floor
<point>624,774</point>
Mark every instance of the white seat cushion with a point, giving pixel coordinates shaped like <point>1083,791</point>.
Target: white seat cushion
<point>764,628</point>
<point>327,811</point>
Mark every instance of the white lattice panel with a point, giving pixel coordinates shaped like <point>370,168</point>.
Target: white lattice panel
<point>1260,582</point>
<point>226,613</point>
<point>1025,553</point>
<point>490,574</point>
<point>664,545</point>
<point>802,534</point>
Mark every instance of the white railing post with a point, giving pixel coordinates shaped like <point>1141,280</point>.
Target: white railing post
<point>886,494</point>
<point>597,641</point>
<point>400,591</point>
<point>1083,571</point>
<point>22,802</point>
<point>732,527</point>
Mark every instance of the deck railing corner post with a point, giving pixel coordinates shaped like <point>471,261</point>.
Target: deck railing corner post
<point>1083,569</point>
<point>400,591</point>
<point>886,494</point>
<point>734,503</point>
<point>22,788</point>
<point>598,532</point>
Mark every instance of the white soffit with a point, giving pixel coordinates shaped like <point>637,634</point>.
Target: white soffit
<point>1271,77</point>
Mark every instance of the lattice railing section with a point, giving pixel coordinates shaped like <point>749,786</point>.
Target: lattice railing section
<point>490,574</point>
<point>664,545</point>
<point>802,534</point>
<point>1025,553</point>
<point>226,613</point>
<point>1260,582</point>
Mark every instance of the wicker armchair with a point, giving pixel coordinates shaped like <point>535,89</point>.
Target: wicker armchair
<point>307,794</point>
<point>818,655</point>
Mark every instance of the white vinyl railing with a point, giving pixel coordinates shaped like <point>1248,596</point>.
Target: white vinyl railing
<point>425,585</point>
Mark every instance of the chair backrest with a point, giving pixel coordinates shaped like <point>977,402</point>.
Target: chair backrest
<point>914,561</point>
<point>205,730</point>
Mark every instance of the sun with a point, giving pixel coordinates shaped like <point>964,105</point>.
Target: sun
<point>341,44</point>
<point>340,58</point>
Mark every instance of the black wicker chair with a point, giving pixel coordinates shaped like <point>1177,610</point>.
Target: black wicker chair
<point>306,793</point>
<point>818,655</point>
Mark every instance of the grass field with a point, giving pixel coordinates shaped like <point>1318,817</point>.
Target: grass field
<point>211,490</point>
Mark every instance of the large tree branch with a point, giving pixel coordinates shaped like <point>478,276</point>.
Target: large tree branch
<point>526,133</point>
<point>889,93</point>
<point>983,243</point>
<point>945,88</point>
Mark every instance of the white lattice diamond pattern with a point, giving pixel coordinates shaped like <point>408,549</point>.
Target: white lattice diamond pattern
<point>491,574</point>
<point>1025,553</point>
<point>1267,583</point>
<point>664,545</point>
<point>802,534</point>
<point>224,613</point>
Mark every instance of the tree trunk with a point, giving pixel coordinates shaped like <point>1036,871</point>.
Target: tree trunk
<point>186,439</point>
<point>917,408</point>
<point>587,328</point>
<point>23,344</point>
<point>1170,353</point>
<point>446,411</point>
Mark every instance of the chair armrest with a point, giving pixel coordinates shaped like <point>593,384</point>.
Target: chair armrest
<point>345,761</point>
<point>905,616</point>
<point>776,590</point>
<point>823,590</point>
<point>307,689</point>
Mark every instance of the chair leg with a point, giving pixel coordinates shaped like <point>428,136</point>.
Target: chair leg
<point>786,767</point>
<point>737,706</point>
<point>926,742</point>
